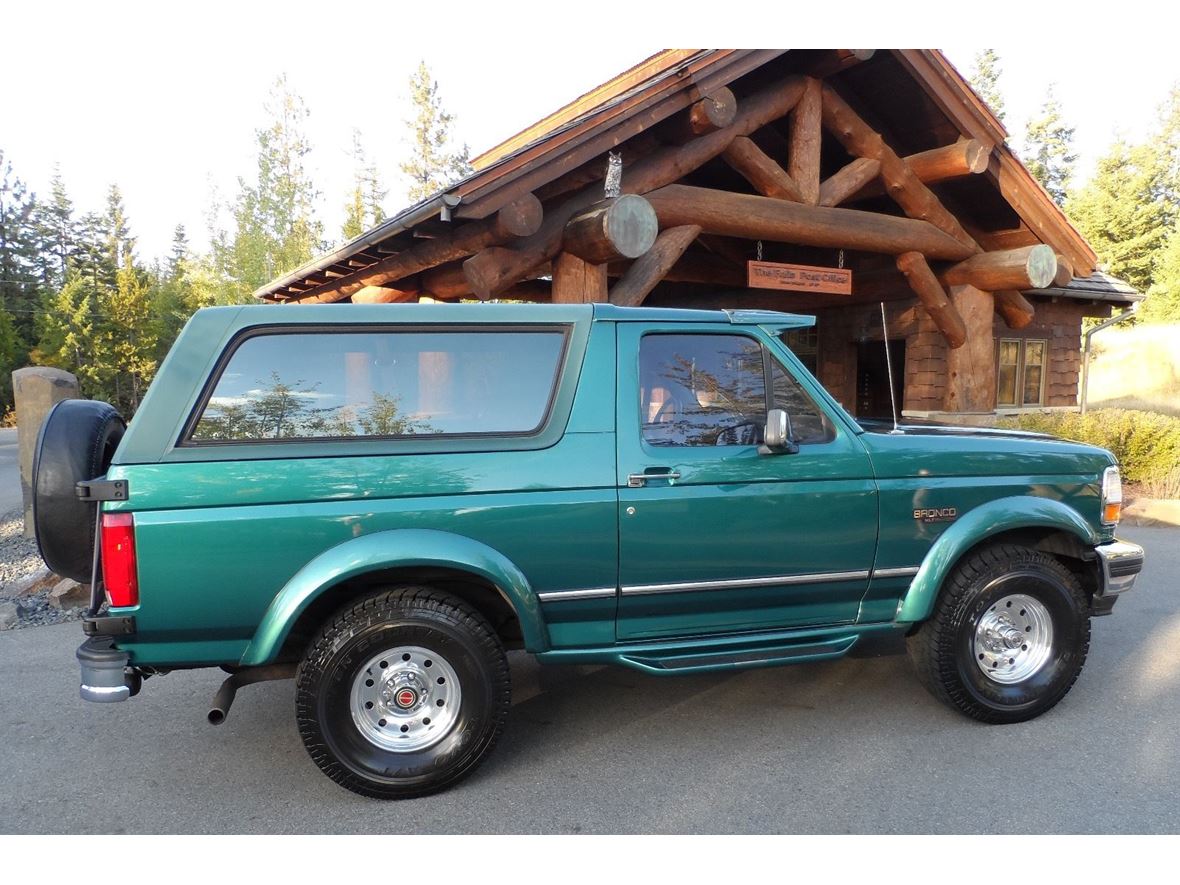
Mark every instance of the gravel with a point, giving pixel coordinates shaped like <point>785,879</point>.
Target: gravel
<point>19,563</point>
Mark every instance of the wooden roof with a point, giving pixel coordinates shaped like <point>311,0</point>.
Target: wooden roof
<point>914,98</point>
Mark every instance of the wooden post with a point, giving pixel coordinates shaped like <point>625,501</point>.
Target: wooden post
<point>848,181</point>
<point>576,281</point>
<point>646,273</point>
<point>767,176</point>
<point>621,227</point>
<point>929,291</point>
<point>803,162</point>
<point>762,218</point>
<point>971,369</point>
<point>1014,308</point>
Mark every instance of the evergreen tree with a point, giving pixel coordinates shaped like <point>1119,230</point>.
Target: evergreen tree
<point>1048,145</point>
<point>66,332</point>
<point>275,230</point>
<point>1163,298</point>
<point>119,243</point>
<point>128,339</point>
<point>58,232</point>
<point>1120,214</point>
<point>434,162</point>
<point>179,254</point>
<point>19,250</point>
<point>985,80</point>
<point>363,209</point>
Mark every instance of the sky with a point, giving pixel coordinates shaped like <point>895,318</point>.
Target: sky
<point>164,98</point>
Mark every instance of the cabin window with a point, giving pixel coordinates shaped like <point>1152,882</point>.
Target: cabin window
<point>1020,378</point>
<point>298,385</point>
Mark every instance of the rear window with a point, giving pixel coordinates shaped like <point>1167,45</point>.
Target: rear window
<point>300,385</point>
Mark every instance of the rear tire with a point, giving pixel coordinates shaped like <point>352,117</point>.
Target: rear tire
<point>76,442</point>
<point>403,693</point>
<point>1008,637</point>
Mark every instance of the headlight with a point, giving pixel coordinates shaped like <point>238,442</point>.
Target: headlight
<point>1112,496</point>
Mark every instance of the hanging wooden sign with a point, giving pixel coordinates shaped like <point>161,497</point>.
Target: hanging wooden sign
<point>798,277</point>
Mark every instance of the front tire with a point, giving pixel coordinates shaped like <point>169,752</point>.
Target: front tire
<point>402,693</point>
<point>1008,637</point>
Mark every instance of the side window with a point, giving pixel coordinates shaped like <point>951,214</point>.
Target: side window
<point>701,390</point>
<point>299,385</point>
<point>808,423</point>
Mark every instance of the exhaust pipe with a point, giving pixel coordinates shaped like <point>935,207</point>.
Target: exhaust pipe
<point>224,698</point>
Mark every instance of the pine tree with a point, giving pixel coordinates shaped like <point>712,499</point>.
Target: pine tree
<point>128,338</point>
<point>1163,298</point>
<point>59,233</point>
<point>120,243</point>
<point>19,250</point>
<point>66,332</point>
<point>179,254</point>
<point>363,209</point>
<point>1120,214</point>
<point>275,229</point>
<point>985,80</point>
<point>1048,145</point>
<point>434,162</point>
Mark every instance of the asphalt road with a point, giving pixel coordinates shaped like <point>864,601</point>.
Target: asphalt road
<point>847,746</point>
<point>10,497</point>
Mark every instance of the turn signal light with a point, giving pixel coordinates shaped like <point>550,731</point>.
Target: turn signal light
<point>1112,496</point>
<point>118,559</point>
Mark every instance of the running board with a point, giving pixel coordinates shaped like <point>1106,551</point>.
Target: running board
<point>677,661</point>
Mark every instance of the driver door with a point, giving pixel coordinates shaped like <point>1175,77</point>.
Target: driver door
<point>715,537</point>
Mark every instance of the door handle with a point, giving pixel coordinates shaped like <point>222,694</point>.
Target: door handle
<point>639,480</point>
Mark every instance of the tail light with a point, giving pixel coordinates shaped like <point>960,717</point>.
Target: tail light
<point>1112,496</point>
<point>118,559</point>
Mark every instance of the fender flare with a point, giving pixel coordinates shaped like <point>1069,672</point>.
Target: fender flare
<point>392,549</point>
<point>992,518</point>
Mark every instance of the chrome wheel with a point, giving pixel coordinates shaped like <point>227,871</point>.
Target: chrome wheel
<point>1013,639</point>
<point>405,699</point>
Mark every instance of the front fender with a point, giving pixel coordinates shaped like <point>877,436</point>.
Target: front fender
<point>1000,515</point>
<point>393,549</point>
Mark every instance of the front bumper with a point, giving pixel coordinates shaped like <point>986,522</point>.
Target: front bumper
<point>106,676</point>
<point>1121,562</point>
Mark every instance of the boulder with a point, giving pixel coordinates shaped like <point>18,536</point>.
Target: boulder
<point>68,593</point>
<point>42,579</point>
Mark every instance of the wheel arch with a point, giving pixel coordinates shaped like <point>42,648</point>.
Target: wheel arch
<point>481,575</point>
<point>1040,523</point>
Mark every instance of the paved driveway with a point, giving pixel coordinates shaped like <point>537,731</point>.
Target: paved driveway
<point>847,746</point>
<point>10,497</point>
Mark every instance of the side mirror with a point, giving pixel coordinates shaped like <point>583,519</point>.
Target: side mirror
<point>780,439</point>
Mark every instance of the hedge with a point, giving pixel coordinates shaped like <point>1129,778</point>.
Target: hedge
<point>1147,444</point>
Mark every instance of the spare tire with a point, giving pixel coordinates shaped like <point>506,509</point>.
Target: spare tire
<point>77,441</point>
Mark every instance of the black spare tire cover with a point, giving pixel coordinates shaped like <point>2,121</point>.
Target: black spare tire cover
<point>77,441</point>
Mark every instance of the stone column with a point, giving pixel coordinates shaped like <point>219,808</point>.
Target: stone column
<point>36,390</point>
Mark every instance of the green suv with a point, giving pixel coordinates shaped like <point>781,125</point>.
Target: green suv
<point>380,500</point>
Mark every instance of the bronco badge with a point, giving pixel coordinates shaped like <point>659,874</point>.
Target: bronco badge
<point>940,514</point>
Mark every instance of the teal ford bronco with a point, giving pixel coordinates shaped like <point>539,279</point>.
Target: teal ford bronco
<point>380,500</point>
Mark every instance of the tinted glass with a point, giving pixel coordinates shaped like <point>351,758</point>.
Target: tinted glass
<point>1006,380</point>
<point>808,424</point>
<point>701,390</point>
<point>303,385</point>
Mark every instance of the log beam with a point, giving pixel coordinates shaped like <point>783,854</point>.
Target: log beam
<point>381,295</point>
<point>576,281</point>
<point>647,272</point>
<point>971,369</point>
<point>965,157</point>
<point>848,181</point>
<point>621,227</point>
<point>901,183</point>
<point>501,269</point>
<point>767,176</point>
<point>520,218</point>
<point>715,111</point>
<point>1029,267</point>
<point>1064,271</point>
<point>803,160</point>
<point>762,218</point>
<point>929,291</point>
<point>1016,310</point>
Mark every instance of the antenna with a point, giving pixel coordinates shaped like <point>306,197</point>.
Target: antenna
<point>889,368</point>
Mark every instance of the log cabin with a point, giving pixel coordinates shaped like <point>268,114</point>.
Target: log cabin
<point>871,188</point>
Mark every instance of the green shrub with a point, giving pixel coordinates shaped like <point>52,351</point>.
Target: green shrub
<point>1147,444</point>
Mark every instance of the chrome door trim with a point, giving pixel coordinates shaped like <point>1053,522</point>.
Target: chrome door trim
<point>739,583</point>
<point>588,593</point>
<point>907,572</point>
